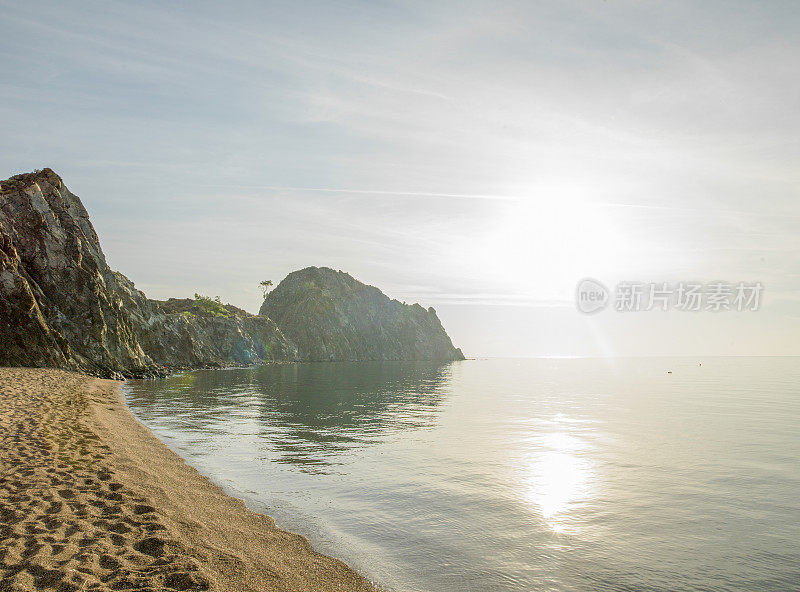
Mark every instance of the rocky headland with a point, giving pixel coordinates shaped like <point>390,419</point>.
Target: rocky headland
<point>330,316</point>
<point>62,306</point>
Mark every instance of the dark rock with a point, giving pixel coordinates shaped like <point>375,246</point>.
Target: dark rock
<point>329,315</point>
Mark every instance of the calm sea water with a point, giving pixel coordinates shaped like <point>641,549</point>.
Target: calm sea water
<point>511,475</point>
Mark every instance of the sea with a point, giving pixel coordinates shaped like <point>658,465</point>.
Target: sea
<point>618,474</point>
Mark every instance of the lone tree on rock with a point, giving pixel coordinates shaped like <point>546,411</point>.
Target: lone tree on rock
<point>265,286</point>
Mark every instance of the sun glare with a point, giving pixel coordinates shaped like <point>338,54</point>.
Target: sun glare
<point>537,248</point>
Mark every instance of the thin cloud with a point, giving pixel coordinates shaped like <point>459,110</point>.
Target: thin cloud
<point>384,192</point>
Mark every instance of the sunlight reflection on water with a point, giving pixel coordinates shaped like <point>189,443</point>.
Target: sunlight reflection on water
<point>558,475</point>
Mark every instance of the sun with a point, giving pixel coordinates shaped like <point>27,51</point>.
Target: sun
<point>537,248</point>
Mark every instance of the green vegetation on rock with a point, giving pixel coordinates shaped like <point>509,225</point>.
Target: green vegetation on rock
<point>209,306</point>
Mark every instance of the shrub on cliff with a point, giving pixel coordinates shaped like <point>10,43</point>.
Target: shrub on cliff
<point>210,306</point>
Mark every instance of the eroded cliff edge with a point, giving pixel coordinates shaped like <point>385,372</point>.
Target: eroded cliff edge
<point>61,305</point>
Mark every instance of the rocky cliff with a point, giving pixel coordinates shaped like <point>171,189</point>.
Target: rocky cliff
<point>61,305</point>
<point>179,332</point>
<point>329,315</point>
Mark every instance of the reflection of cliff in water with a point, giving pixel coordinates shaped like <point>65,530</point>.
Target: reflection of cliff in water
<point>306,414</point>
<point>324,409</point>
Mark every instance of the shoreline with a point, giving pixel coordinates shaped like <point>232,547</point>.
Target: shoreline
<point>90,499</point>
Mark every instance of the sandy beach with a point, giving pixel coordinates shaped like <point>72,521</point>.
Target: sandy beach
<point>91,500</point>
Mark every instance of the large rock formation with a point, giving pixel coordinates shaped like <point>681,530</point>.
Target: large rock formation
<point>61,305</point>
<point>182,333</point>
<point>330,316</point>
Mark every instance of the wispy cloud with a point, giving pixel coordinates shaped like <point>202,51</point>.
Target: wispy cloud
<point>455,152</point>
<point>383,192</point>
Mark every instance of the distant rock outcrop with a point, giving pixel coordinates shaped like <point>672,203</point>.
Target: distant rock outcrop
<point>330,316</point>
<point>61,305</point>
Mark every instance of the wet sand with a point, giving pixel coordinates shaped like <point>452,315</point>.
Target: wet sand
<point>91,500</point>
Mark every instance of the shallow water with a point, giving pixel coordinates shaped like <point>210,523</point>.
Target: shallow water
<point>511,475</point>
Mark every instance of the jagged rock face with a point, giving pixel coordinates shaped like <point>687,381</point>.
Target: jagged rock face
<point>60,263</point>
<point>182,335</point>
<point>61,304</point>
<point>25,335</point>
<point>330,316</point>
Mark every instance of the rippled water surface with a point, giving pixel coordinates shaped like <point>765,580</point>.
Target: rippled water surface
<point>511,475</point>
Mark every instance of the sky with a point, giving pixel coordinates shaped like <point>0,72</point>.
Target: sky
<point>478,157</point>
